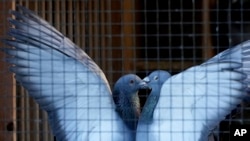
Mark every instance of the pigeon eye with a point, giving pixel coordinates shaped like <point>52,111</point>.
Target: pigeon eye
<point>131,81</point>
<point>156,78</point>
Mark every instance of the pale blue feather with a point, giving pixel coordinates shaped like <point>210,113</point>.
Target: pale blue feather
<point>192,103</point>
<point>63,80</point>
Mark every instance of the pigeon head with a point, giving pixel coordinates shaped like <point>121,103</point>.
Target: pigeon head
<point>125,96</point>
<point>155,81</point>
<point>129,84</point>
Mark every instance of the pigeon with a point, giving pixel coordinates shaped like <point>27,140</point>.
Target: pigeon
<point>68,84</point>
<point>157,77</point>
<point>189,105</point>
<point>125,96</point>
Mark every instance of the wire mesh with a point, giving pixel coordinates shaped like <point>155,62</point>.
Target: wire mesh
<point>127,36</point>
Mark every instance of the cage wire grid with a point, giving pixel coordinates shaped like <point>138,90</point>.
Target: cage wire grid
<point>129,36</point>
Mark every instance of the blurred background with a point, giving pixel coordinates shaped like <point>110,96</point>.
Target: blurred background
<point>127,36</point>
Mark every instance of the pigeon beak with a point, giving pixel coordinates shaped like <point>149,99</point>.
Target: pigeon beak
<point>143,85</point>
<point>146,79</point>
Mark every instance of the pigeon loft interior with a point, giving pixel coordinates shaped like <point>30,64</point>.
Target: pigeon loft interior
<point>126,36</point>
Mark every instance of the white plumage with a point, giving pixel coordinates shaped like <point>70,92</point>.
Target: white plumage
<point>193,102</point>
<point>64,81</point>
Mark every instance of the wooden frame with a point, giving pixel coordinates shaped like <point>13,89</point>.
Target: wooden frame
<point>7,84</point>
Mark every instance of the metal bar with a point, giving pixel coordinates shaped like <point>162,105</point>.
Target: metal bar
<point>21,114</point>
<point>96,31</point>
<point>33,119</point>
<point>57,14</point>
<point>128,31</point>
<point>90,28</point>
<point>70,22</point>
<point>78,26</point>
<point>26,115</point>
<point>207,50</point>
<point>109,41</point>
<point>103,35</point>
<point>63,15</point>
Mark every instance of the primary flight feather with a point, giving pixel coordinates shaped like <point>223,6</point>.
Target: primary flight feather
<point>189,105</point>
<point>67,83</point>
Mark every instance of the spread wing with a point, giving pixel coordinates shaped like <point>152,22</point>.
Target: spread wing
<point>194,101</point>
<point>63,80</point>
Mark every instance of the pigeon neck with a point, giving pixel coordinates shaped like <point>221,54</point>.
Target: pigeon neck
<point>149,106</point>
<point>129,109</point>
<point>148,109</point>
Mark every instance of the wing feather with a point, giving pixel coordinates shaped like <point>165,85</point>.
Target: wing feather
<point>194,101</point>
<point>63,80</point>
